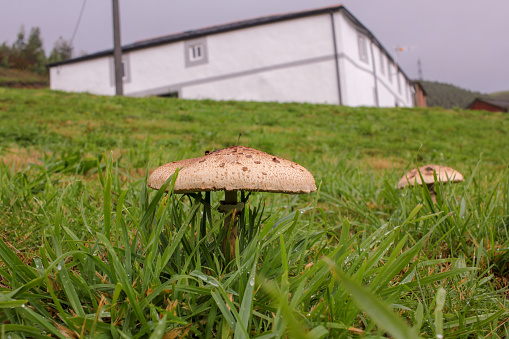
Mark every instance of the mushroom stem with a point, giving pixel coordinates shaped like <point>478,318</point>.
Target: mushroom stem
<point>230,204</point>
<point>432,193</point>
<point>230,198</point>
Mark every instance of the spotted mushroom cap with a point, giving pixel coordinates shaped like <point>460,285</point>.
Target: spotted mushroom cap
<point>236,168</point>
<point>444,174</point>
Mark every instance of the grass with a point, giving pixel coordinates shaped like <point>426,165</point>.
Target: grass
<point>88,250</point>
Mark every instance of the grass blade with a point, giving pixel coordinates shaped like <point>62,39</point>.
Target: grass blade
<point>373,306</point>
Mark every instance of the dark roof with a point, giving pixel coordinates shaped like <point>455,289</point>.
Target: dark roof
<point>502,104</point>
<point>231,27</point>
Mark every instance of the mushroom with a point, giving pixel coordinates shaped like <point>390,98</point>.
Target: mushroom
<point>443,174</point>
<point>233,169</point>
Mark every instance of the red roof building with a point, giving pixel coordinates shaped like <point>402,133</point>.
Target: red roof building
<point>484,104</point>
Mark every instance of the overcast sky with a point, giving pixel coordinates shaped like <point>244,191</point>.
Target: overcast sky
<point>462,42</point>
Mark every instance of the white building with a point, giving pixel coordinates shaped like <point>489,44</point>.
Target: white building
<point>318,56</point>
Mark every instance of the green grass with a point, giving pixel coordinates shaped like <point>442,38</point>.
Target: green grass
<point>58,122</point>
<point>88,250</point>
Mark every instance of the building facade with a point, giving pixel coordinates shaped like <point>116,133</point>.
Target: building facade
<point>318,56</point>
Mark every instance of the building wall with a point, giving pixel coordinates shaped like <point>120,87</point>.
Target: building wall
<point>358,75</point>
<point>93,76</point>
<point>313,83</point>
<point>420,97</point>
<point>288,61</point>
<point>357,83</point>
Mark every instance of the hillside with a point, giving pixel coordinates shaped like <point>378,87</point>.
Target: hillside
<point>447,95</point>
<point>15,78</point>
<point>499,95</point>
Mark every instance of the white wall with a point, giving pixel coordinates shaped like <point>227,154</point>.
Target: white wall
<point>357,75</point>
<point>91,76</point>
<point>155,67</point>
<point>313,83</point>
<point>357,79</point>
<point>288,61</point>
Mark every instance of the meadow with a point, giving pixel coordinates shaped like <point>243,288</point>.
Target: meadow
<point>88,250</point>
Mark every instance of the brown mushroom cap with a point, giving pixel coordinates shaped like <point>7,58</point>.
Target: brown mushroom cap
<point>235,168</point>
<point>444,174</point>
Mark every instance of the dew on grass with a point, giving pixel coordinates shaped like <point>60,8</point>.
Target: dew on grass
<point>213,283</point>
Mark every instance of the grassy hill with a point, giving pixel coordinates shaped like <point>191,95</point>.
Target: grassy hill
<point>63,121</point>
<point>87,250</point>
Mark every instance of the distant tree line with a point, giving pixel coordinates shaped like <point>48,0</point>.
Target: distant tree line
<point>448,96</point>
<point>27,53</point>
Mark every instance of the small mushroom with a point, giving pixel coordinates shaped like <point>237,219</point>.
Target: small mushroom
<point>443,174</point>
<point>233,169</point>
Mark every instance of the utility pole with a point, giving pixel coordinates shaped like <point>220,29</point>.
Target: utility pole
<point>117,50</point>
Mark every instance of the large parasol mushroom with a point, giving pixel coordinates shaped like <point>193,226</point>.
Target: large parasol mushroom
<point>443,174</point>
<point>233,169</point>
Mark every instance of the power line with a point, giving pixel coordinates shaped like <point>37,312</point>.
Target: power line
<point>78,22</point>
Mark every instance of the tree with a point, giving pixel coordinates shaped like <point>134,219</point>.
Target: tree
<point>20,41</point>
<point>5,53</point>
<point>25,55</point>
<point>16,58</point>
<point>62,50</point>
<point>34,53</point>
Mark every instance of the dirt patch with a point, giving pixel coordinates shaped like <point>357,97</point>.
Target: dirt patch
<point>24,85</point>
<point>377,163</point>
<point>20,157</point>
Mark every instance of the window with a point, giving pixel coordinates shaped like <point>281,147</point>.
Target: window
<point>125,69</point>
<point>389,70</point>
<point>382,63</point>
<point>363,48</point>
<point>170,95</point>
<point>195,52</point>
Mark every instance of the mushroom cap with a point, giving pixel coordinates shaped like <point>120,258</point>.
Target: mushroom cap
<point>235,168</point>
<point>444,174</point>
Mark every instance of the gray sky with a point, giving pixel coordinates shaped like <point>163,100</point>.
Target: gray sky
<point>462,42</point>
